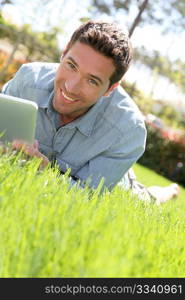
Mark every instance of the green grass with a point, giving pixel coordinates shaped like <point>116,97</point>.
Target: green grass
<point>48,230</point>
<point>148,178</point>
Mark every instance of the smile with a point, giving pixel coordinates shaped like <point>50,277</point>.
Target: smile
<point>68,98</point>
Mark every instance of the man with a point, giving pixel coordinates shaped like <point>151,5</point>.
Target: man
<point>86,121</point>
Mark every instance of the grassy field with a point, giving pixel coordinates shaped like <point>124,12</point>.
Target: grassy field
<point>148,178</point>
<point>48,230</point>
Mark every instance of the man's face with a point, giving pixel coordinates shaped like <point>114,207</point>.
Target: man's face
<point>81,79</point>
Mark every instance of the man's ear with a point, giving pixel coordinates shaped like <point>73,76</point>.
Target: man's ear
<point>115,85</point>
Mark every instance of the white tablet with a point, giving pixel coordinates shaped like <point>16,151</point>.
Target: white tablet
<point>17,119</point>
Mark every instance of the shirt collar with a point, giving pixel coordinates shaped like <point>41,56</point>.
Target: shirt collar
<point>85,123</point>
<point>45,93</point>
<point>45,100</point>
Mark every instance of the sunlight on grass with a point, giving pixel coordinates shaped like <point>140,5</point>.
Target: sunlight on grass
<point>148,178</point>
<point>49,230</point>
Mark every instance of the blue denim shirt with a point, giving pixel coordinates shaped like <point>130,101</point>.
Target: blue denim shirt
<point>103,143</point>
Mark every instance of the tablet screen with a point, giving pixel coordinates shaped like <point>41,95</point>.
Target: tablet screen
<point>17,119</point>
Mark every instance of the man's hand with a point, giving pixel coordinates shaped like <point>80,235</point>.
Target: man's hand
<point>30,150</point>
<point>3,148</point>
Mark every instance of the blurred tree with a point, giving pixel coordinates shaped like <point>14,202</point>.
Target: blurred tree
<point>170,14</point>
<point>106,7</point>
<point>143,101</point>
<point>3,2</point>
<point>170,116</point>
<point>37,46</point>
<point>137,19</point>
<point>163,66</point>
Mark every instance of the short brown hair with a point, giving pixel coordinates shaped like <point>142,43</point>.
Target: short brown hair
<point>108,39</point>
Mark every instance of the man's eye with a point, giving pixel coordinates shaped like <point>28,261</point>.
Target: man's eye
<point>93,82</point>
<point>71,65</point>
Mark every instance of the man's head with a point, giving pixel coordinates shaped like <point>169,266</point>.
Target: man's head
<point>109,40</point>
<point>92,64</point>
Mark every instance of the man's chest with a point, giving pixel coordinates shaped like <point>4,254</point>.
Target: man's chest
<point>68,145</point>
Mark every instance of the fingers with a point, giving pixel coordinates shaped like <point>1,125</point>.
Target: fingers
<point>21,145</point>
<point>18,144</point>
<point>30,150</point>
<point>36,144</point>
<point>3,148</point>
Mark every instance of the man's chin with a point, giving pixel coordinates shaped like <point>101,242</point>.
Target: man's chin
<point>62,108</point>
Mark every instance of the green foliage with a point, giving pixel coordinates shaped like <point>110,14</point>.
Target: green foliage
<point>164,156</point>
<point>48,230</point>
<point>171,15</point>
<point>173,70</point>
<point>40,46</point>
<point>171,117</point>
<point>144,102</point>
<point>11,70</point>
<point>167,113</point>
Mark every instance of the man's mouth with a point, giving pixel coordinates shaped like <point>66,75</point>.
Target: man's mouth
<point>68,98</point>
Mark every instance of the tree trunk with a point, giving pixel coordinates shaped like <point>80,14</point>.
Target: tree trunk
<point>138,17</point>
<point>9,60</point>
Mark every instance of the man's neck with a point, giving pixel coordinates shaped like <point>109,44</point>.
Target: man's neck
<point>67,119</point>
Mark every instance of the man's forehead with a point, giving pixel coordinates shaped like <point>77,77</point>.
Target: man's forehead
<point>94,62</point>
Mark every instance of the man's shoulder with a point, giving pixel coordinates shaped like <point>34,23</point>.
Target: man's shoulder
<point>39,66</point>
<point>38,74</point>
<point>122,111</point>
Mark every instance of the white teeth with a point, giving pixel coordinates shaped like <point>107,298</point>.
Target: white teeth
<point>70,99</point>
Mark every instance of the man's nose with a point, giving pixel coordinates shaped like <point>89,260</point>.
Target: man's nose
<point>73,86</point>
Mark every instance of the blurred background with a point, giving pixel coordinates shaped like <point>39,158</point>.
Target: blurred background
<point>38,30</point>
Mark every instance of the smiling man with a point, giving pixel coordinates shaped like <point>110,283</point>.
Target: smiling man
<point>82,77</point>
<point>86,121</point>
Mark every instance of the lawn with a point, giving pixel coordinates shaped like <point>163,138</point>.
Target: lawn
<point>148,178</point>
<point>49,230</point>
